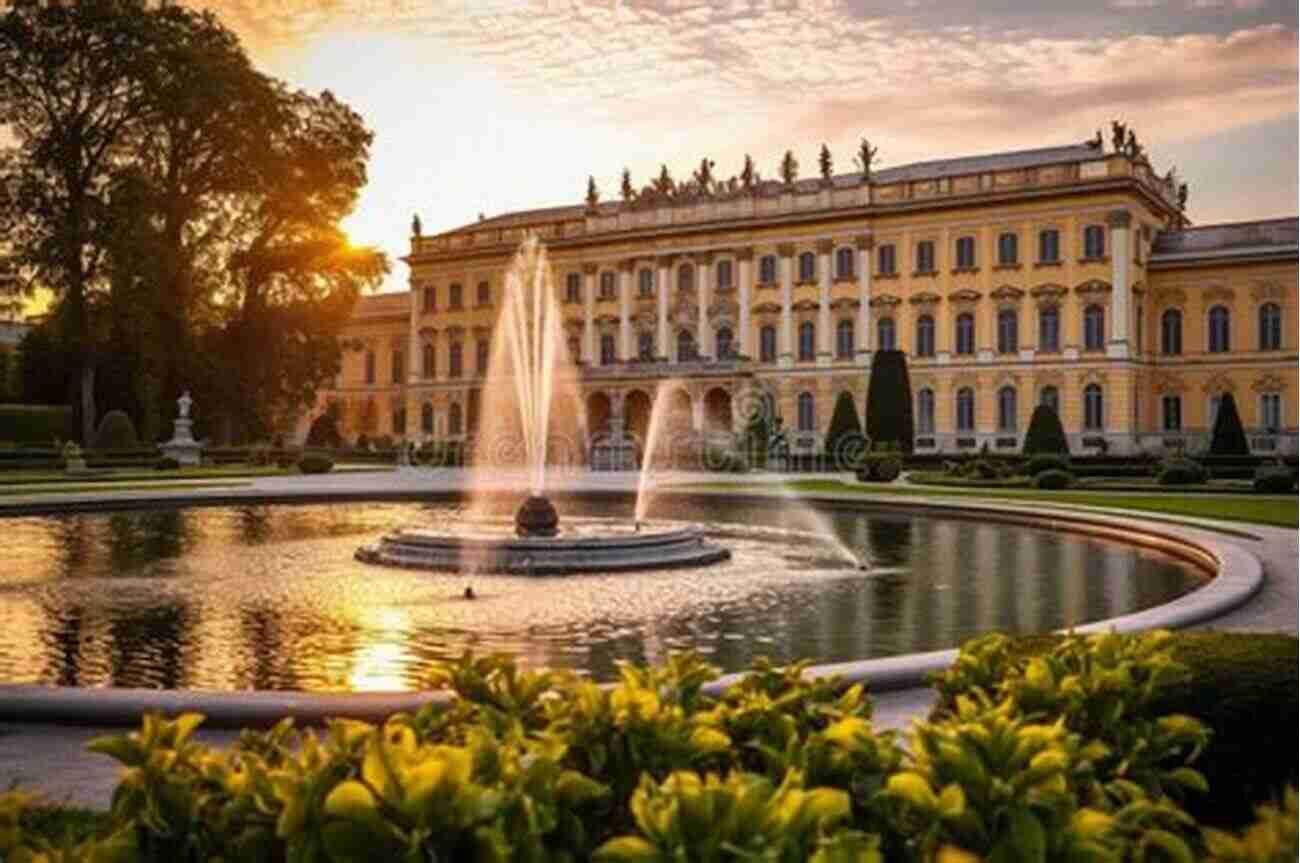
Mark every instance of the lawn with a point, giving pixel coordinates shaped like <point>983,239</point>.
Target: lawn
<point>1253,509</point>
<point>78,488</point>
<point>136,475</point>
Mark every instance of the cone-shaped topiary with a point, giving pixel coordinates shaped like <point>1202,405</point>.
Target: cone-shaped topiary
<point>889,402</point>
<point>1045,435</point>
<point>845,433</point>
<point>324,431</point>
<point>1229,438</point>
<point>116,431</point>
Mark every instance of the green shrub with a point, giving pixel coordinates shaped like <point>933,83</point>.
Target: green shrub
<point>315,463</point>
<point>1040,463</point>
<point>1274,480</point>
<point>878,467</point>
<point>116,431</point>
<point>35,424</point>
<point>889,402</point>
<point>1045,433</point>
<point>1182,471</point>
<point>324,431</point>
<point>363,441</point>
<point>844,435</point>
<point>1053,480</point>
<point>1228,437</point>
<point>724,461</point>
<point>168,463</point>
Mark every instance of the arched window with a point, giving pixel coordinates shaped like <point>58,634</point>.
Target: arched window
<point>885,334</point>
<point>1171,332</point>
<point>724,339</point>
<point>370,367</point>
<point>844,339</point>
<point>1094,414</point>
<point>1008,253</point>
<point>807,413</point>
<point>925,411</point>
<point>1171,409</point>
<point>686,277</point>
<point>1050,397</point>
<point>481,350</point>
<point>573,288</point>
<point>723,270</point>
<point>1008,331</point>
<point>398,366</point>
<point>398,419</point>
<point>484,294</point>
<point>965,333</point>
<point>1094,328</point>
<point>965,253</point>
<point>965,409</point>
<point>767,344</point>
<point>807,342</point>
<point>1049,329</point>
<point>454,421</point>
<point>844,263</point>
<point>685,346</point>
<point>925,336</point>
<point>454,298</point>
<point>1094,241</point>
<point>428,362</point>
<point>646,345</point>
<point>807,267</point>
<point>1270,327</point>
<point>767,270</point>
<point>1007,409</point>
<point>455,360</point>
<point>645,283</point>
<point>607,286</point>
<point>426,418</point>
<point>1270,411</point>
<point>607,352</point>
<point>430,298</point>
<point>1220,330</point>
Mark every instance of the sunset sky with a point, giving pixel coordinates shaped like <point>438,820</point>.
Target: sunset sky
<point>495,105</point>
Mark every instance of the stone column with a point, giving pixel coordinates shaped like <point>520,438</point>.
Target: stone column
<point>1121,291</point>
<point>785,262</point>
<point>703,278</point>
<point>824,344</point>
<point>626,349</point>
<point>413,352</point>
<point>745,262</point>
<point>865,335</point>
<point>588,314</point>
<point>661,295</point>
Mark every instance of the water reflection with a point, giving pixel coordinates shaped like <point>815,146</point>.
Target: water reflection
<point>270,597</point>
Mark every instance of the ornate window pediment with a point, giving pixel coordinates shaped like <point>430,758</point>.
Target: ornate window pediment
<point>1267,291</point>
<point>845,303</point>
<point>1171,297</point>
<point>1166,383</point>
<point>1218,292</point>
<point>884,301</point>
<point>1007,293</point>
<point>455,330</point>
<point>767,308</point>
<point>1219,383</point>
<point>966,295</point>
<point>1269,383</point>
<point>1048,290</point>
<point>427,333</point>
<point>926,298</point>
<point>804,306</point>
<point>1049,378</point>
<point>1092,287</point>
<point>1092,376</point>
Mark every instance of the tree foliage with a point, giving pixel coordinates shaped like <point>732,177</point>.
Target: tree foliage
<point>889,402</point>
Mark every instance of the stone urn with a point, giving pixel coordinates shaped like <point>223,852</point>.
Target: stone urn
<point>537,517</point>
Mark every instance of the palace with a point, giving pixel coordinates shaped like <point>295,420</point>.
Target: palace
<point>1067,275</point>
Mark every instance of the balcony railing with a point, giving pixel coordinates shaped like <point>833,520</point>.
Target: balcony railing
<point>667,368</point>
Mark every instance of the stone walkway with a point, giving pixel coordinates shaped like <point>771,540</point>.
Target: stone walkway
<point>51,759</point>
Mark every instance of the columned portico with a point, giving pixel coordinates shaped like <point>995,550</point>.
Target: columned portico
<point>745,263</point>
<point>1121,291</point>
<point>785,264</point>
<point>866,336</point>
<point>824,248</point>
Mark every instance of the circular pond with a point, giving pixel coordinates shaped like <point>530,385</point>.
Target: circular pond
<point>270,597</point>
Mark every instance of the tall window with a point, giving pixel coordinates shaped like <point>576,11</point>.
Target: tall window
<point>844,339</point>
<point>925,411</point>
<point>767,270</point>
<point>724,274</point>
<point>428,362</point>
<point>1008,332</point>
<point>925,256</point>
<point>1094,328</point>
<point>686,277</point>
<point>965,409</point>
<point>1008,249</point>
<point>767,344</point>
<point>1213,412</point>
<point>807,267</point>
<point>965,252</point>
<point>807,342</point>
<point>399,366</point>
<point>1050,397</point>
<point>807,413</point>
<point>965,341</point>
<point>484,294</point>
<point>455,360</point>
<point>573,288</point>
<point>1171,413</point>
<point>481,348</point>
<point>925,336</point>
<point>1094,241</point>
<point>370,367</point>
<point>685,346</point>
<point>1007,409</point>
<point>1270,327</point>
<point>607,290</point>
<point>455,300</point>
<point>1171,332</point>
<point>1270,411</point>
<point>607,354</point>
<point>885,334</point>
<point>1094,415</point>
<point>886,261</point>
<point>398,419</point>
<point>724,340</point>
<point>1049,329</point>
<point>645,283</point>
<point>426,418</point>
<point>430,298</point>
<point>844,263</point>
<point>1049,246</point>
<point>455,423</point>
<point>645,345</point>
<point>1220,330</point>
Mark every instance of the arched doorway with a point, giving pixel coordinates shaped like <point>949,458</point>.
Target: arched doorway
<point>598,414</point>
<point>717,410</point>
<point>679,417</point>
<point>636,415</point>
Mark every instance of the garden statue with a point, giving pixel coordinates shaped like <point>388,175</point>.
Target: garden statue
<point>1117,135</point>
<point>747,177</point>
<point>866,153</point>
<point>183,405</point>
<point>825,164</point>
<point>183,447</point>
<point>73,462</point>
<point>628,192</point>
<point>593,195</point>
<point>416,228</point>
<point>789,168</point>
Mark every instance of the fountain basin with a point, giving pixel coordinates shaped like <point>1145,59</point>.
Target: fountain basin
<point>665,549</point>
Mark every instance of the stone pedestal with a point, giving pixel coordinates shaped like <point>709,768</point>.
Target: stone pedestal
<point>183,447</point>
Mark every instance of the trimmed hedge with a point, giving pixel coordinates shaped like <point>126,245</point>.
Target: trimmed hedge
<point>1274,480</point>
<point>1228,437</point>
<point>1045,433</point>
<point>315,463</point>
<point>168,463</point>
<point>1040,463</point>
<point>889,402</point>
<point>116,432</point>
<point>1182,471</point>
<point>880,468</point>
<point>36,424</point>
<point>1052,480</point>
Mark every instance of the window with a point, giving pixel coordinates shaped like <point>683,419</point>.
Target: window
<point>844,265</point>
<point>807,267</point>
<point>1008,249</point>
<point>1137,331</point>
<point>1171,412</point>
<point>1007,409</point>
<point>685,347</point>
<point>844,339</point>
<point>925,411</point>
<point>724,273</point>
<point>607,286</point>
<point>426,418</point>
<point>454,298</point>
<point>1094,328</point>
<point>481,348</point>
<point>428,362</point>
<point>398,419</point>
<point>1049,246</point>
<point>573,288</point>
<point>1008,332</point>
<point>1219,327</point>
<point>1094,241</point>
<point>1213,412</point>
<point>645,283</point>
<point>399,366</point>
<point>723,340</point>
<point>484,294</point>
<point>925,336</point>
<point>607,353</point>
<point>1171,332</point>
<point>767,270</point>
<point>1270,327</point>
<point>645,344</point>
<point>430,298</point>
<point>807,413</point>
<point>1049,329</point>
<point>454,360</point>
<point>885,334</point>
<point>965,333</point>
<point>1094,417</point>
<point>370,367</point>
<point>965,409</point>
<point>1050,397</point>
<point>807,342</point>
<point>686,277</point>
<point>1270,411</point>
<point>965,253</point>
<point>886,264</point>
<point>767,344</point>
<point>925,256</point>
<point>454,422</point>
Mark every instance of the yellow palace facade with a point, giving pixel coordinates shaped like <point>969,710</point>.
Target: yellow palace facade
<point>1065,275</point>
